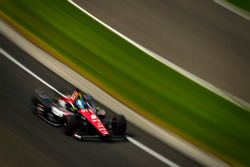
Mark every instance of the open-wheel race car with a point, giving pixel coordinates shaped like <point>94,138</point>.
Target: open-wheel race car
<point>79,117</point>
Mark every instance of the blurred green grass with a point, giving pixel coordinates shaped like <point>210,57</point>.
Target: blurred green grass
<point>147,86</point>
<point>243,4</point>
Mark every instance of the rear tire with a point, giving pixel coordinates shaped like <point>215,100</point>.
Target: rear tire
<point>119,125</point>
<point>70,125</point>
<point>34,105</point>
<point>37,107</point>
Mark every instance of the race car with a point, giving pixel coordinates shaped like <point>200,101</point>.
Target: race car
<point>82,120</point>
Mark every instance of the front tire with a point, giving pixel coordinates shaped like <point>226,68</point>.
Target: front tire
<point>119,125</point>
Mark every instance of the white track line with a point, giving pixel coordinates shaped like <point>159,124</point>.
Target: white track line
<point>133,141</point>
<point>152,152</point>
<point>239,102</point>
<point>3,52</point>
<point>233,8</point>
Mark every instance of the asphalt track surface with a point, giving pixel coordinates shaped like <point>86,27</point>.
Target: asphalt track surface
<point>200,36</point>
<point>26,140</point>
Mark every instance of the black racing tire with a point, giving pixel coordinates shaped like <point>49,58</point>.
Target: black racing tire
<point>70,125</point>
<point>119,125</point>
<point>34,103</point>
<point>34,107</point>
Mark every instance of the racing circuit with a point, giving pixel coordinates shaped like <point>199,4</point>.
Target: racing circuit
<point>28,141</point>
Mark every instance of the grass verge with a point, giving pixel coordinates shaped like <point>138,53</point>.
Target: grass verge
<point>144,84</point>
<point>243,4</point>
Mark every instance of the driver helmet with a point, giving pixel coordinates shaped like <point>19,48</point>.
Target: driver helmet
<point>76,94</point>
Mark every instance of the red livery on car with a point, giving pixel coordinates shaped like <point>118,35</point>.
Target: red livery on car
<point>79,116</point>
